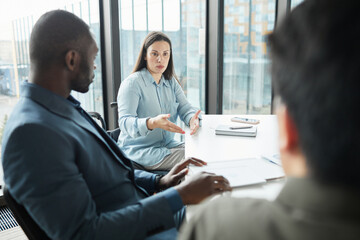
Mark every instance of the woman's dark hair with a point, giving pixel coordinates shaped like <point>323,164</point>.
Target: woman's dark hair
<point>148,41</point>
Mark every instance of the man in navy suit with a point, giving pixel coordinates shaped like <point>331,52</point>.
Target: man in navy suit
<point>65,170</point>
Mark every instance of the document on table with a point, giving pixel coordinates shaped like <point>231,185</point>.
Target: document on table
<point>242,172</point>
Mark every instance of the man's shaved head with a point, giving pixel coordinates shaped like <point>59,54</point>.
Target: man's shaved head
<point>55,33</point>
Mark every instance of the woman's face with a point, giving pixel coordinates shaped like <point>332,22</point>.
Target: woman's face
<point>157,58</point>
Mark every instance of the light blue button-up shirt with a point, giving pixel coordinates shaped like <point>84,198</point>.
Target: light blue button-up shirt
<point>139,98</point>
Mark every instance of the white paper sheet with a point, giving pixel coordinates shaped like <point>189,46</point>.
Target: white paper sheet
<point>242,172</point>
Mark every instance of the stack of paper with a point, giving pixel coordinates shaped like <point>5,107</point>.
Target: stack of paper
<point>243,172</point>
<point>230,130</point>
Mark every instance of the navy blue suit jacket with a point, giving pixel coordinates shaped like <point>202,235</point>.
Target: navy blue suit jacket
<point>74,183</point>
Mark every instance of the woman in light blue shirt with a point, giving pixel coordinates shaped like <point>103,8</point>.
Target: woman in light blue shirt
<point>149,103</point>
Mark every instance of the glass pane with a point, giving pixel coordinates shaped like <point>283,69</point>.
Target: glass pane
<point>294,3</point>
<point>184,22</point>
<point>16,25</point>
<point>155,21</point>
<point>246,79</point>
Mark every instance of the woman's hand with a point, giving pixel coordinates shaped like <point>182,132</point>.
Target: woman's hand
<point>161,121</point>
<point>194,123</point>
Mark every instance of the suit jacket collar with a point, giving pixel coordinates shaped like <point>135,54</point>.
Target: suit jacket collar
<point>311,196</point>
<point>62,107</point>
<point>56,104</point>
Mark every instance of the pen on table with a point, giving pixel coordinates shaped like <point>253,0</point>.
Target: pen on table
<point>271,161</point>
<point>240,127</point>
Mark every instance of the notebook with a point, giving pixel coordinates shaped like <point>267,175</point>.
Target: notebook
<point>251,131</point>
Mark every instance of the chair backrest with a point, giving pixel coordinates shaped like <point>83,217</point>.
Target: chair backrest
<point>113,104</point>
<point>98,117</point>
<point>28,225</point>
<point>114,134</point>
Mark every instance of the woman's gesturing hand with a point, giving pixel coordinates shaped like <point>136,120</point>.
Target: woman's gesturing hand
<point>195,123</point>
<point>161,121</point>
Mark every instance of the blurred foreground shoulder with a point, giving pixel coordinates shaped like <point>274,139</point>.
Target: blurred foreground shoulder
<point>223,218</point>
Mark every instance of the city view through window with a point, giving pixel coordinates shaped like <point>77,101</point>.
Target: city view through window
<point>246,78</point>
<point>16,25</point>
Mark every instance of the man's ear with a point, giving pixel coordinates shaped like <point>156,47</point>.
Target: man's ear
<point>292,157</point>
<point>289,138</point>
<point>72,60</point>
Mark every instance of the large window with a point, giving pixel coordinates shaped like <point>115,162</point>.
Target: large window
<point>294,3</point>
<point>184,22</point>
<point>246,80</point>
<point>16,26</point>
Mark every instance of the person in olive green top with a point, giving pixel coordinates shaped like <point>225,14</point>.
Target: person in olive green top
<point>316,75</point>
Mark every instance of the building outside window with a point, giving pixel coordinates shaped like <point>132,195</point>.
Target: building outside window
<point>16,24</point>
<point>246,78</point>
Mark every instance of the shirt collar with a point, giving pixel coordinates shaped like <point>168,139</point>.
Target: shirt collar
<point>64,107</point>
<point>73,101</point>
<point>150,80</point>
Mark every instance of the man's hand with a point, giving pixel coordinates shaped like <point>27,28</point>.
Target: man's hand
<point>194,123</point>
<point>178,172</point>
<point>202,185</point>
<point>161,121</point>
<point>198,186</point>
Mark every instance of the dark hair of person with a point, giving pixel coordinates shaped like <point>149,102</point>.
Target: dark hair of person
<point>316,73</point>
<point>54,34</point>
<point>148,41</point>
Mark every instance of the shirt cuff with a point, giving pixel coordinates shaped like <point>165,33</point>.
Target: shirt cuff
<point>143,130</point>
<point>174,199</point>
<point>189,118</point>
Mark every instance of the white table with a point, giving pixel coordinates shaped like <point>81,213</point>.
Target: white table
<point>210,147</point>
